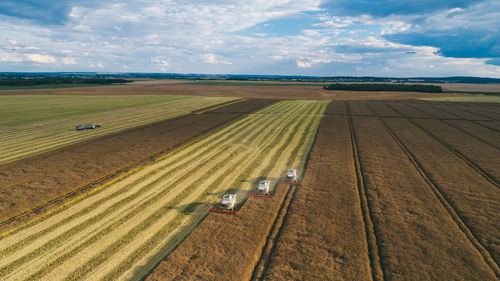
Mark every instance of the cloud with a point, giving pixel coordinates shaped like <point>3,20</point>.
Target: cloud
<point>210,58</point>
<point>385,8</point>
<point>458,33</point>
<point>256,37</point>
<point>40,58</point>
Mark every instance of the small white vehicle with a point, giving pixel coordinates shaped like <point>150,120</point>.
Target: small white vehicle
<point>228,201</point>
<point>291,174</point>
<point>264,186</point>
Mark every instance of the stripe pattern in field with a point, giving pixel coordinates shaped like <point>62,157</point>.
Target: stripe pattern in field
<point>20,141</point>
<point>120,231</point>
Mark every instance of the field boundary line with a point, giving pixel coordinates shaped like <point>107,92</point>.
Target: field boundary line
<point>445,121</point>
<point>457,153</point>
<point>470,120</point>
<point>377,269</point>
<point>444,202</point>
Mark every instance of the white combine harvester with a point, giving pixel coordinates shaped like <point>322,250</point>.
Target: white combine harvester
<point>291,174</point>
<point>264,187</point>
<point>228,201</point>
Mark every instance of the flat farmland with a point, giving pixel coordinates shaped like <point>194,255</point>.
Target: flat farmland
<point>376,203</point>
<point>123,228</point>
<point>390,189</point>
<point>31,124</point>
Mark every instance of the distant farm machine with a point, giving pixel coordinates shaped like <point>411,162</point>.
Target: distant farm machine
<point>88,126</point>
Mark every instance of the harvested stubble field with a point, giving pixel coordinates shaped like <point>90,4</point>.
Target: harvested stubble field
<point>123,228</point>
<point>393,190</point>
<point>32,124</point>
<point>32,185</point>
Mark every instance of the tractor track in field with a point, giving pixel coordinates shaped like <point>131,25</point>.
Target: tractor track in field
<point>476,113</point>
<point>477,122</point>
<point>262,264</point>
<point>377,269</point>
<point>444,202</point>
<point>456,127</point>
<point>457,153</point>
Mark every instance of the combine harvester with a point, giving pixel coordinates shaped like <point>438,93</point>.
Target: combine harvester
<point>227,205</point>
<point>263,190</point>
<point>291,177</point>
<point>88,126</point>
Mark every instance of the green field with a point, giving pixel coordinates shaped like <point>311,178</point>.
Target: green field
<point>31,124</point>
<point>121,230</point>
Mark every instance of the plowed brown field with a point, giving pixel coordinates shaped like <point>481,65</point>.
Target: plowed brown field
<point>394,190</point>
<point>32,185</point>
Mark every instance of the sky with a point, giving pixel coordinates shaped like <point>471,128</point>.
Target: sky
<point>397,38</point>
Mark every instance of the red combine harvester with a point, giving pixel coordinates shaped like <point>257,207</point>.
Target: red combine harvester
<point>291,177</point>
<point>227,205</point>
<point>263,190</point>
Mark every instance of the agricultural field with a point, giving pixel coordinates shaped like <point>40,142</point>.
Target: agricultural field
<point>123,228</point>
<point>376,203</point>
<point>393,186</point>
<point>30,186</point>
<point>32,124</point>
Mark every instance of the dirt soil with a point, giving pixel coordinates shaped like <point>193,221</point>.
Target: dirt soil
<point>30,186</point>
<point>265,92</point>
<point>224,246</point>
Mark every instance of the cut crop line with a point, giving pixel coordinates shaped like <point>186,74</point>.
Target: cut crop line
<point>247,171</point>
<point>97,260</point>
<point>278,134</point>
<point>180,165</point>
<point>160,155</point>
<point>262,120</point>
<point>457,153</point>
<point>444,202</point>
<point>458,128</point>
<point>376,266</point>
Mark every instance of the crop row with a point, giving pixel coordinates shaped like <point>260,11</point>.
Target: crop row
<point>114,231</point>
<point>25,140</point>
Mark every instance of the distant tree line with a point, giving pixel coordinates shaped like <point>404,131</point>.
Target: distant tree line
<point>57,80</point>
<point>385,87</point>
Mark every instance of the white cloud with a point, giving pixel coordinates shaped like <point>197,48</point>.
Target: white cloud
<point>210,58</point>
<point>40,58</point>
<point>68,61</point>
<point>205,37</point>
